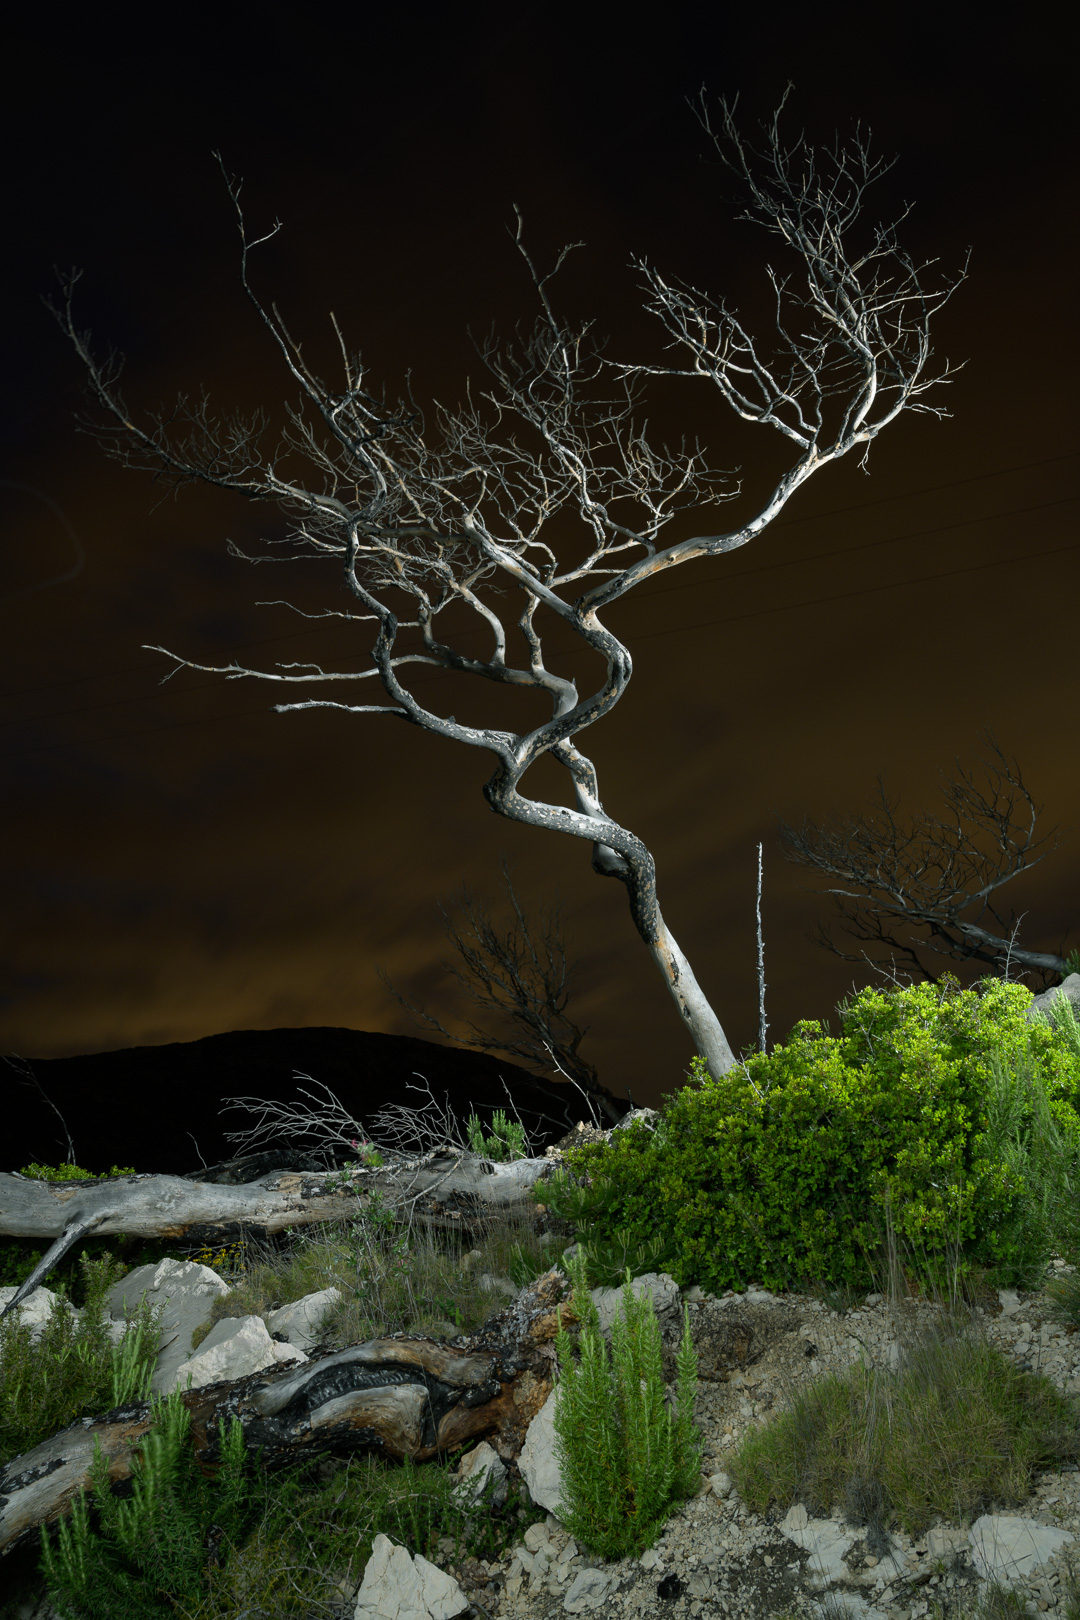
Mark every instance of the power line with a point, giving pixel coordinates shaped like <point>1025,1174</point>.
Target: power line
<point>888,540</point>
<point>938,528</point>
<point>783,522</point>
<point>837,596</point>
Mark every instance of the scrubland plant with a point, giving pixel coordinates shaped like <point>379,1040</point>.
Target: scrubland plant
<point>995,1105</point>
<point>87,1371</point>
<point>950,1429</point>
<point>605,1257</point>
<point>507,1140</point>
<point>149,1553</point>
<point>624,1461</point>
<point>72,1172</point>
<point>1034,1132</point>
<point>769,1173</point>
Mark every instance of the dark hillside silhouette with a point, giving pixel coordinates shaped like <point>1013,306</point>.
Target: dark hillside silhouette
<point>162,1108</point>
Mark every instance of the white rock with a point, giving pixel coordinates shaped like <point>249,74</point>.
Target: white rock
<point>36,1308</point>
<point>1004,1546</point>
<point>301,1322</point>
<point>234,1347</point>
<point>398,1587</point>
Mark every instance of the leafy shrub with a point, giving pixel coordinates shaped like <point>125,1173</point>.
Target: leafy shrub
<point>1037,1139</point>
<point>506,1142</point>
<point>608,1258</point>
<point>778,1171</point>
<point>608,1239</point>
<point>88,1372</point>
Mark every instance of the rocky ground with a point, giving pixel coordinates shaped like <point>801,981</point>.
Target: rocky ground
<point>717,1558</point>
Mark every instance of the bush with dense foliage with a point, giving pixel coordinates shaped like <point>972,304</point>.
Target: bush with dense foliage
<point>780,1170</point>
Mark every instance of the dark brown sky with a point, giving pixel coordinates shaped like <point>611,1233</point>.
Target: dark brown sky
<point>180,861</point>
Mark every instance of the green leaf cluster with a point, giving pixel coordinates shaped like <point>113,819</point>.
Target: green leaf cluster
<point>157,1546</point>
<point>72,1172</point>
<point>625,1461</point>
<point>609,1240</point>
<point>507,1141</point>
<point>780,1170</point>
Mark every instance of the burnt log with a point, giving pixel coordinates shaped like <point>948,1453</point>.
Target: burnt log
<point>442,1188</point>
<point>400,1396</point>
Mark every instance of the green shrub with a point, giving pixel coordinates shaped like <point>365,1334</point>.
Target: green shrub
<point>88,1373</point>
<point>609,1237</point>
<point>778,1171</point>
<point>72,1172</point>
<point>19,1256</point>
<point>507,1140</point>
<point>156,1547</point>
<point>624,1460</point>
<point>1037,1139</point>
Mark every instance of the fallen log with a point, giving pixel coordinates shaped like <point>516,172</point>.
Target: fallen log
<point>442,1188</point>
<point>399,1396</point>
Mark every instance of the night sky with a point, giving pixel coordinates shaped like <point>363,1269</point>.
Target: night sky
<point>179,860</point>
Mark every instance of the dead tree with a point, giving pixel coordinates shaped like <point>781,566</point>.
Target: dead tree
<point>928,877</point>
<point>397,1396</point>
<point>541,501</point>
<point>523,978</point>
<point>444,1189</point>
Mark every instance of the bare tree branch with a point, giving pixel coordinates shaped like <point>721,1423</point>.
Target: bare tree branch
<point>927,878</point>
<point>463,534</point>
<point>401,1131</point>
<point>523,978</point>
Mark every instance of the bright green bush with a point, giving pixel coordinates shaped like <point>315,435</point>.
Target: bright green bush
<point>72,1172</point>
<point>779,1171</point>
<point>609,1238</point>
<point>507,1140</point>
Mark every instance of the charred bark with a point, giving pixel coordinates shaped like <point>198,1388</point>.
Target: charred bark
<point>399,1396</point>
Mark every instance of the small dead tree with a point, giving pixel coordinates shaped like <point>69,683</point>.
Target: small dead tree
<point>928,877</point>
<point>523,978</point>
<point>541,501</point>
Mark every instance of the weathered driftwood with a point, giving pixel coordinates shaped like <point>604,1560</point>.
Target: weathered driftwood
<point>401,1397</point>
<point>441,1188</point>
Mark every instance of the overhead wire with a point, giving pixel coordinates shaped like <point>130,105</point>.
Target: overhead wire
<point>784,522</point>
<point>680,629</point>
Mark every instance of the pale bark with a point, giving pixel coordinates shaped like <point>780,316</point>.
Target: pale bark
<point>402,1397</point>
<point>541,500</point>
<point>446,1190</point>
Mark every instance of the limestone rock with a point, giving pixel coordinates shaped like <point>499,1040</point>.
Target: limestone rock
<point>1045,1005</point>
